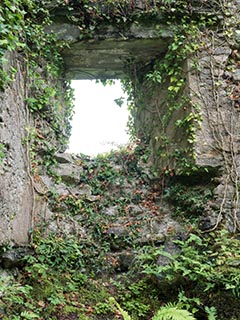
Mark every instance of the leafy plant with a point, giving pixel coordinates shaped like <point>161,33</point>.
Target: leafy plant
<point>125,315</point>
<point>29,315</point>
<point>211,312</point>
<point>204,261</point>
<point>58,253</point>
<point>168,312</point>
<point>189,201</point>
<point>173,312</point>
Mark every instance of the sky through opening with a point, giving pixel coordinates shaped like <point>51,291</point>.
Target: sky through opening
<point>99,124</point>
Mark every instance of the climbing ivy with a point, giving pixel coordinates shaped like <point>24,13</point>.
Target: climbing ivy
<point>55,280</point>
<point>23,32</point>
<point>169,74</point>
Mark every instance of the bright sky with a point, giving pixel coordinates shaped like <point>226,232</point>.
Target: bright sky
<point>99,124</point>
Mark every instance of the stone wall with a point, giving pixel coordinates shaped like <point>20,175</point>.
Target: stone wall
<point>214,89</point>
<point>108,54</point>
<point>16,195</point>
<point>27,139</point>
<point>208,144</point>
<point>155,119</point>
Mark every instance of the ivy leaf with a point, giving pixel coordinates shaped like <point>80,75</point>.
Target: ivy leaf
<point>119,101</point>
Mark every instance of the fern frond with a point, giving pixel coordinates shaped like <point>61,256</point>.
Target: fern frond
<point>173,312</point>
<point>211,312</point>
<point>124,313</point>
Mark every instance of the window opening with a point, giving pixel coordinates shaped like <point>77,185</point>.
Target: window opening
<point>99,124</point>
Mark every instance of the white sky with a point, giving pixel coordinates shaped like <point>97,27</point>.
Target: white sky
<point>98,123</point>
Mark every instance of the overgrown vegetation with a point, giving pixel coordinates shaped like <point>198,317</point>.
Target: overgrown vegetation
<point>204,262</point>
<point>108,275</point>
<point>189,201</point>
<point>23,33</point>
<point>95,272</point>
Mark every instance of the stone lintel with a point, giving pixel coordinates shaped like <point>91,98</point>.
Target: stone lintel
<point>106,55</point>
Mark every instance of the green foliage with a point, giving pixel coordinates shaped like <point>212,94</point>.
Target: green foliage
<point>168,73</point>
<point>94,14</point>
<point>136,298</point>
<point>189,201</point>
<point>211,263</point>
<point>29,315</point>
<point>70,274</point>
<point>59,253</point>
<point>60,277</point>
<point>211,312</point>
<point>22,29</point>
<point>62,266</point>
<point>168,312</point>
<point>171,68</point>
<point>69,253</point>
<point>11,25</point>
<point>14,297</point>
<point>119,101</point>
<point>101,173</point>
<point>117,305</point>
<point>102,308</point>
<point>52,283</point>
<point>191,304</point>
<point>128,89</point>
<point>173,312</point>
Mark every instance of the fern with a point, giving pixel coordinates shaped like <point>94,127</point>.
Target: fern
<point>211,312</point>
<point>29,315</point>
<point>169,312</point>
<point>173,312</point>
<point>124,313</point>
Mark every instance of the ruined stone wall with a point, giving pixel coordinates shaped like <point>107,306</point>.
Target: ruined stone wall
<point>27,141</point>
<point>215,89</point>
<point>16,197</point>
<point>155,118</point>
<point>207,140</point>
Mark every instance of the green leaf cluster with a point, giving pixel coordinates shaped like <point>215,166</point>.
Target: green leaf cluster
<point>211,263</point>
<point>173,312</point>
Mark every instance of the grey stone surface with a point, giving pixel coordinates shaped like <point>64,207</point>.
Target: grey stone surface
<point>217,142</point>
<point>69,173</point>
<point>217,138</point>
<point>119,231</point>
<point>16,198</point>
<point>125,260</point>
<point>237,35</point>
<point>112,211</point>
<point>64,157</point>
<point>106,59</point>
<point>5,275</point>
<point>47,181</point>
<point>172,249</point>
<point>214,118</point>
<point>158,229</point>
<point>105,55</point>
<point>65,225</point>
<point>236,75</point>
<point>14,258</point>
